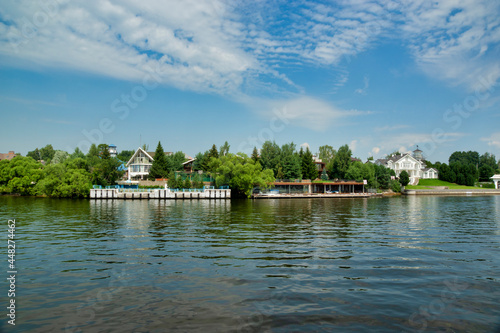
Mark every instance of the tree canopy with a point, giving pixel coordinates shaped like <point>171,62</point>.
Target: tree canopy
<point>241,173</point>
<point>341,163</point>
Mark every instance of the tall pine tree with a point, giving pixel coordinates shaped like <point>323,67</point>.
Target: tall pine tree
<point>160,164</point>
<point>309,169</point>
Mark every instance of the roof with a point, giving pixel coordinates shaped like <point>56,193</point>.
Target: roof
<point>325,183</point>
<point>168,153</point>
<point>395,158</point>
<point>137,152</point>
<point>151,155</point>
<point>10,155</point>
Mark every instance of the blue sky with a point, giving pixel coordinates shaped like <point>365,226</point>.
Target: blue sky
<point>378,75</point>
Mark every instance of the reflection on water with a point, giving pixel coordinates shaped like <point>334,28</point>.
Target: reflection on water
<point>394,264</point>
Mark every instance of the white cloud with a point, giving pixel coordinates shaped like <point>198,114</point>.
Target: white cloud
<point>190,44</point>
<point>353,145</point>
<point>309,112</point>
<point>451,39</point>
<point>231,48</point>
<point>493,140</point>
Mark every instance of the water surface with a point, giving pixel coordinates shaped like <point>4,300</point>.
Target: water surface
<point>411,264</point>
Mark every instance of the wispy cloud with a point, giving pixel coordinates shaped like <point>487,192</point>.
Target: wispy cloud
<point>232,48</point>
<point>391,128</point>
<point>406,141</point>
<point>362,91</point>
<point>309,112</point>
<point>30,102</point>
<point>493,140</point>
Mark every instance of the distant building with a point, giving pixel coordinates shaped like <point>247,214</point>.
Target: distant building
<point>320,165</point>
<point>10,155</point>
<point>414,164</point>
<point>112,150</point>
<point>140,164</point>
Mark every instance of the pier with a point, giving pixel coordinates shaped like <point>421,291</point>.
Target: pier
<point>120,193</point>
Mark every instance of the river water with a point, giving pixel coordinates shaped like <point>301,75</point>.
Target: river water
<point>404,264</point>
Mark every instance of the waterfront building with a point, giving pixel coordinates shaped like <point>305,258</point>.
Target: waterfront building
<point>140,164</point>
<point>413,163</point>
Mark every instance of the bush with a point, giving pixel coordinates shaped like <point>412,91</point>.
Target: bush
<point>395,186</point>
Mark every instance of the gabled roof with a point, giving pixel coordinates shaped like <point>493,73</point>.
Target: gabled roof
<point>137,152</point>
<point>396,158</point>
<point>407,155</point>
<point>189,161</point>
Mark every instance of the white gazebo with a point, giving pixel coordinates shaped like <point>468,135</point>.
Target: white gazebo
<point>496,179</point>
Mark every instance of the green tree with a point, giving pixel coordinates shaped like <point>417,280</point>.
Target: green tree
<point>187,183</point>
<point>462,157</point>
<point>241,173</point>
<point>77,154</point>
<point>125,155</point>
<point>255,155</point>
<point>394,153</point>
<point>159,168</point>
<point>290,161</point>
<point>20,175</point>
<point>382,176</point>
<point>224,149</point>
<point>197,181</point>
<point>395,186</point>
<point>93,151</point>
<point>404,178</point>
<point>59,157</point>
<point>35,154</point>
<point>172,180</point>
<point>355,172</point>
<point>488,159</point>
<point>326,154</point>
<point>103,151</point>
<point>270,156</point>
<point>324,175</point>
<point>176,160</point>
<point>485,173</point>
<point>200,162</point>
<point>341,163</point>
<point>213,152</point>
<point>309,168</point>
<point>66,180</point>
<point>43,154</point>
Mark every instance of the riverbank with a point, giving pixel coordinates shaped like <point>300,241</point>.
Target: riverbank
<point>316,195</point>
<point>437,191</point>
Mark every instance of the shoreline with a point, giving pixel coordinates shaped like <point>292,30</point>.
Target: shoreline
<point>458,192</point>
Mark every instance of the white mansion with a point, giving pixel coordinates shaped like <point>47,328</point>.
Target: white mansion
<point>414,164</point>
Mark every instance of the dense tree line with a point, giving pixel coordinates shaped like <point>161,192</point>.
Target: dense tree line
<point>46,171</point>
<point>467,168</point>
<point>61,174</point>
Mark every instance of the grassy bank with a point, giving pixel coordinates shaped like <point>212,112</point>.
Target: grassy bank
<point>425,184</point>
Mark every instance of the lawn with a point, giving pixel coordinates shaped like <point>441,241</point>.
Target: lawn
<point>424,184</point>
